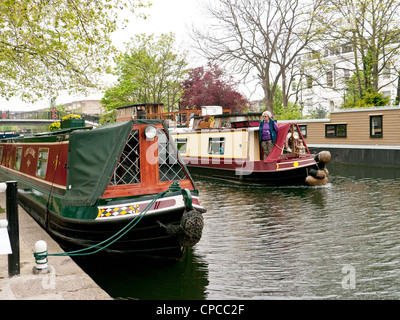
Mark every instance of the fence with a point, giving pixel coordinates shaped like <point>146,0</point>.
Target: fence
<point>54,114</point>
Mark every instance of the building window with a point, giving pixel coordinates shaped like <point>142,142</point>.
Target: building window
<point>216,145</point>
<point>1,154</point>
<point>303,130</point>
<point>347,48</point>
<point>336,130</point>
<point>346,75</point>
<point>329,79</point>
<point>18,158</point>
<point>42,163</point>
<point>181,145</point>
<point>376,126</point>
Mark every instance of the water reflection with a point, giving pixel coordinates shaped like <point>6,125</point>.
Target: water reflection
<point>263,243</point>
<point>151,279</point>
<point>287,242</point>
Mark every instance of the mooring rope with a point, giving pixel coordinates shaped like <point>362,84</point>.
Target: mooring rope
<point>83,252</point>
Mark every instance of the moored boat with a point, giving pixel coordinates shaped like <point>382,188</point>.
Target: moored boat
<point>226,147</point>
<point>85,185</point>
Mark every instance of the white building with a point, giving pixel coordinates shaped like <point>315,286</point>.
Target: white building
<point>323,86</point>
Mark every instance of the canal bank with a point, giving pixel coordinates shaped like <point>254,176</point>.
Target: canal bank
<point>386,156</point>
<point>66,281</point>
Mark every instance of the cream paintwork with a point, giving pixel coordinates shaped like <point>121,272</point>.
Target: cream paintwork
<point>239,144</point>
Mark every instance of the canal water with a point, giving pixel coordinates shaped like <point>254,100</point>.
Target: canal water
<point>338,241</point>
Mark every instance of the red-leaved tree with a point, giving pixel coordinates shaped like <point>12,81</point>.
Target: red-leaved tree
<point>209,86</point>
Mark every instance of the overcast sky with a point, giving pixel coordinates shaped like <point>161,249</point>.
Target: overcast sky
<point>164,16</point>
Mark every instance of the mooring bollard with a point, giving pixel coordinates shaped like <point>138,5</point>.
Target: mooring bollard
<point>41,263</point>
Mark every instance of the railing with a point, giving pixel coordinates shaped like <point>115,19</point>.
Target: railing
<point>54,114</point>
<point>182,118</point>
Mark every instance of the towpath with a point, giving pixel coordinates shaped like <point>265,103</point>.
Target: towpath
<point>67,281</point>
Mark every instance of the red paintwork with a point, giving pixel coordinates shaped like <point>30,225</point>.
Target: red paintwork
<point>56,173</point>
<point>30,153</point>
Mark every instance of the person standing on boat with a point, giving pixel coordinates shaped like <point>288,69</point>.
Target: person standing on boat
<point>268,133</point>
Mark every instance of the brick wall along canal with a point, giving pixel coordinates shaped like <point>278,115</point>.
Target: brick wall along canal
<point>339,241</point>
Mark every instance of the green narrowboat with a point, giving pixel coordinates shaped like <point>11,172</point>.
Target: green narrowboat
<point>84,186</point>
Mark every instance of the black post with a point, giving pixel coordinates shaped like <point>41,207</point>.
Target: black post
<point>13,228</point>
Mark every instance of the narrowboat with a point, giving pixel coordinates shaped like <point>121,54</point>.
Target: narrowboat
<point>226,147</point>
<point>85,185</point>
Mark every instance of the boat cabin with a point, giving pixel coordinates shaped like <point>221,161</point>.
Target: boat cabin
<point>235,137</point>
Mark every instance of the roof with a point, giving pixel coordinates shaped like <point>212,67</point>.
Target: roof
<point>92,158</point>
<point>140,105</point>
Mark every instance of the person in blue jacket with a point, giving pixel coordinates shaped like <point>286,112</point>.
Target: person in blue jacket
<point>268,133</point>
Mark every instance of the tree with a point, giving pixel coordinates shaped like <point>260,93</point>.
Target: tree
<point>208,86</point>
<point>260,39</point>
<point>370,98</point>
<point>54,45</point>
<point>150,71</point>
<point>290,112</point>
<point>364,34</point>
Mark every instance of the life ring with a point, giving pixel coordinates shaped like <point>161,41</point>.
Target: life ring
<point>295,136</point>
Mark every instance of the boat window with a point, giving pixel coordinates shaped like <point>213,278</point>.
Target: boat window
<point>336,130</point>
<point>216,145</point>
<point>224,122</point>
<point>42,163</point>
<point>376,126</point>
<point>127,170</point>
<point>181,144</point>
<point>18,158</point>
<point>169,167</point>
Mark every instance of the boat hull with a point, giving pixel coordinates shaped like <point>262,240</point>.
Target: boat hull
<point>146,238</point>
<point>283,172</point>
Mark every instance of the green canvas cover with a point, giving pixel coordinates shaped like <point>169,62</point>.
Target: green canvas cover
<point>92,158</point>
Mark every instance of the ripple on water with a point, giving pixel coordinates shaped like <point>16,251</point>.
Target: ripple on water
<point>293,242</point>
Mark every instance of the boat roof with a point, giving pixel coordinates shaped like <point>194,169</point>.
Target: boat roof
<point>91,164</point>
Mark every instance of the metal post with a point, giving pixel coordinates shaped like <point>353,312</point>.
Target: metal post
<point>13,228</point>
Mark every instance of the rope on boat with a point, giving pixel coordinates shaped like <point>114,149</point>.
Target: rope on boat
<point>41,257</point>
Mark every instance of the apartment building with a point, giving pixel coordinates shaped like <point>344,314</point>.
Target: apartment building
<point>84,107</point>
<point>323,85</point>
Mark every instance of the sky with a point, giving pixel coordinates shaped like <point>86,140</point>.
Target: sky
<point>165,16</point>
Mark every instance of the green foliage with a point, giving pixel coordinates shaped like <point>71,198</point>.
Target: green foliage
<point>291,112</point>
<point>149,72</point>
<point>54,45</point>
<point>318,113</point>
<point>370,98</point>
